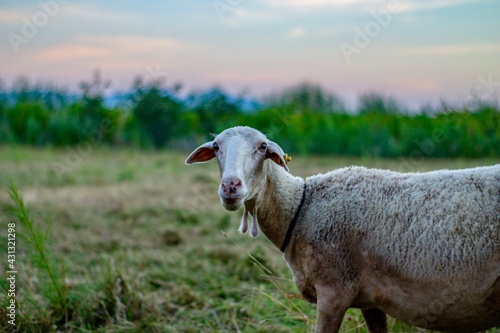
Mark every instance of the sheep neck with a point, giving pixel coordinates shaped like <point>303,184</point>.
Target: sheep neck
<point>277,202</point>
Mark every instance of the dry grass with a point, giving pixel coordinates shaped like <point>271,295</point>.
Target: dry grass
<point>146,246</point>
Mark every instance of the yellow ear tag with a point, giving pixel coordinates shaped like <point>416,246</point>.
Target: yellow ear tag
<point>287,158</point>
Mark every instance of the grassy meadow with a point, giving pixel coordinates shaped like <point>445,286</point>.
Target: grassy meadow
<point>136,241</point>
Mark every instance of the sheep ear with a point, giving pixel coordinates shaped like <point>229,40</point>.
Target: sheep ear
<point>203,153</point>
<point>276,154</point>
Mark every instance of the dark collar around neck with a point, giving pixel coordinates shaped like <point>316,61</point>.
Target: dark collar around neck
<point>289,232</point>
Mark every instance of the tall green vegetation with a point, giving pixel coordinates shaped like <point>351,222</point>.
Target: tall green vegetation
<point>156,113</point>
<point>308,97</point>
<point>36,237</point>
<point>214,111</point>
<point>306,119</point>
<point>91,112</point>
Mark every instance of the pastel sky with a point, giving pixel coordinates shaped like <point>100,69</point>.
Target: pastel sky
<point>417,51</point>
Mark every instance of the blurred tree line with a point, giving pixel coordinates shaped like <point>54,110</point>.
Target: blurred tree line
<point>303,119</point>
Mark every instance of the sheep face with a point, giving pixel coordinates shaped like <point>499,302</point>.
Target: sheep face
<point>240,152</point>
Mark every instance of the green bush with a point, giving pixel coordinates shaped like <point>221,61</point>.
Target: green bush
<point>157,115</point>
<point>27,122</point>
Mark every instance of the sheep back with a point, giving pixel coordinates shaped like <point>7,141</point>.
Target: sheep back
<point>425,225</point>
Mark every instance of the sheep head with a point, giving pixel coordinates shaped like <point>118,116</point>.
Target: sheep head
<point>241,153</point>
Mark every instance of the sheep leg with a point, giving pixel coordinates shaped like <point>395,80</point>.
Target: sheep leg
<point>244,221</point>
<point>376,320</point>
<point>331,307</point>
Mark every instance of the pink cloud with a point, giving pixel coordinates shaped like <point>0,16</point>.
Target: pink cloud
<point>450,50</point>
<point>87,46</point>
<point>11,16</point>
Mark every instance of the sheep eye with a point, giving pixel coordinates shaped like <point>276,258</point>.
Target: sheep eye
<point>263,147</point>
<point>216,146</point>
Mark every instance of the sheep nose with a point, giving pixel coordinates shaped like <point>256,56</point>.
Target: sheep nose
<point>231,185</point>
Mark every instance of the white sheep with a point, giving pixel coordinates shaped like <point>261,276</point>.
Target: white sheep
<point>421,247</point>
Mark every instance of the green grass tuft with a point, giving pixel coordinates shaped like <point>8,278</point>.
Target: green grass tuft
<point>53,286</point>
